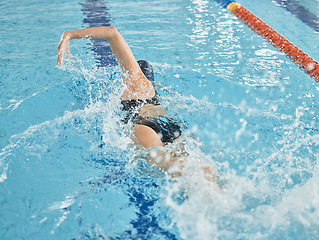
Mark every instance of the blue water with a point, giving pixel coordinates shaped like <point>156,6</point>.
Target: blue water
<point>68,170</point>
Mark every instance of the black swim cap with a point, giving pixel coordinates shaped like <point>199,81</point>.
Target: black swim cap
<point>147,69</point>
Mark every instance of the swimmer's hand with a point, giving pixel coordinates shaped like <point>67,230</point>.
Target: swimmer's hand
<point>64,46</point>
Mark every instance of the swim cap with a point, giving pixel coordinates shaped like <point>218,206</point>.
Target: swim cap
<point>147,69</point>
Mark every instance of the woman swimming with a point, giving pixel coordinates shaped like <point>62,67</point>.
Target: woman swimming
<point>152,128</point>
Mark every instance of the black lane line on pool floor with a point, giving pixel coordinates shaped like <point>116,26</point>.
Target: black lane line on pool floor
<point>97,15</point>
<point>301,13</point>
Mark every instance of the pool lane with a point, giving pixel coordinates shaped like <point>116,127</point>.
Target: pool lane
<point>97,15</point>
<point>301,13</point>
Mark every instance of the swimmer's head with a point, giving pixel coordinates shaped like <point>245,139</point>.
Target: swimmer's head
<point>147,69</point>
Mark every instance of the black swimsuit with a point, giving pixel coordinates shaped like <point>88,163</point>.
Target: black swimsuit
<point>167,128</point>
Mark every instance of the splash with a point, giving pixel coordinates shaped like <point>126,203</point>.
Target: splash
<point>89,168</point>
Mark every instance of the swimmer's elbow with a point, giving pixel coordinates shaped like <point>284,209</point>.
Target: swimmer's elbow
<point>111,32</point>
<point>111,29</point>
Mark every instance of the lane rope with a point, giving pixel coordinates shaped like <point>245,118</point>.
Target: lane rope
<point>299,57</point>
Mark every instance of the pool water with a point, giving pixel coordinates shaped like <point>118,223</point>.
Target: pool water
<point>68,169</point>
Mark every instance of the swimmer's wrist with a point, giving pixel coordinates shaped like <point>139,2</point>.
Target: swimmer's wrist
<point>77,34</point>
<point>68,35</point>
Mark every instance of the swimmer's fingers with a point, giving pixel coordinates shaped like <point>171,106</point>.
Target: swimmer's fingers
<point>61,50</point>
<point>59,60</point>
<point>60,57</point>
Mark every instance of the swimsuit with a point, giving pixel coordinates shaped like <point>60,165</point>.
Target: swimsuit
<point>167,128</point>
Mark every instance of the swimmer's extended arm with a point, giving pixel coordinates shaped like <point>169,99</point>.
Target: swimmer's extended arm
<point>137,84</point>
<point>119,47</point>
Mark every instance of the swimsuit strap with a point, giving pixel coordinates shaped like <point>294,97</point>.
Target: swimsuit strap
<point>132,106</point>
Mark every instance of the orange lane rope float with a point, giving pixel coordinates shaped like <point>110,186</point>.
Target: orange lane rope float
<point>305,62</point>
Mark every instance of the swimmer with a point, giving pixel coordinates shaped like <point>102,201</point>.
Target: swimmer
<point>152,128</point>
